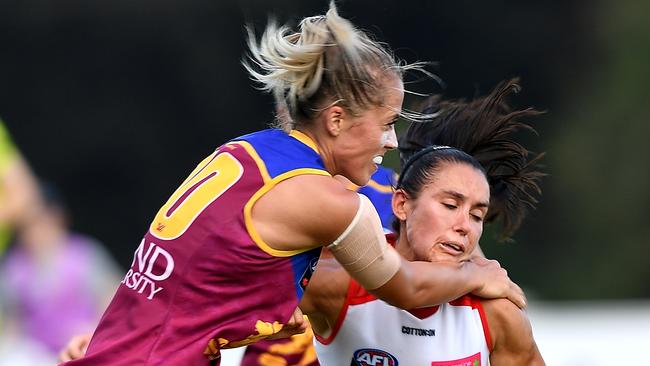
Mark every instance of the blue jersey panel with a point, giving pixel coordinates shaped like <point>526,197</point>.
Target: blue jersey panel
<point>281,152</point>
<point>380,193</point>
<point>304,265</point>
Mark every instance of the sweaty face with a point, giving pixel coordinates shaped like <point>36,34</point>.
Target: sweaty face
<point>365,138</point>
<point>445,222</point>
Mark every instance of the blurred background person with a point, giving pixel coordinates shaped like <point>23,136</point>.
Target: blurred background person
<point>54,283</point>
<point>18,197</point>
<point>17,188</point>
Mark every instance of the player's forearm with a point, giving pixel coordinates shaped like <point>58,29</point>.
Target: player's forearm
<point>419,284</point>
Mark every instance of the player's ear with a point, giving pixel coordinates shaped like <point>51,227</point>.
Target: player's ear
<point>334,119</point>
<point>400,204</point>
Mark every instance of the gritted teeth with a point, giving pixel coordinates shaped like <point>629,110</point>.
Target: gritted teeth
<point>378,159</point>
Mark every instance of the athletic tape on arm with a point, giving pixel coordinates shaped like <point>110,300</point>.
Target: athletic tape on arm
<point>362,249</point>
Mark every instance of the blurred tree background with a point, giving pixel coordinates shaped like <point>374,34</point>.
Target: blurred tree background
<point>116,101</point>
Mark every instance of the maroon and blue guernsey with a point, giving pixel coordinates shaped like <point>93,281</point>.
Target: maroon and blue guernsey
<point>202,279</point>
<point>299,349</point>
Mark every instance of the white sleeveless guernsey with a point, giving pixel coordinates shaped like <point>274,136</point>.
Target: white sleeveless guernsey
<point>370,332</point>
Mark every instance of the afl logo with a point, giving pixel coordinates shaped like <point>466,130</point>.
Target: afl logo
<point>373,357</point>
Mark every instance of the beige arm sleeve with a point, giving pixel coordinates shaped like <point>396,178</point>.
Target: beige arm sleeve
<point>362,249</point>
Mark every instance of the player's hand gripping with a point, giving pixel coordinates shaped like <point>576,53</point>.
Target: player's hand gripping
<point>496,283</point>
<point>295,325</point>
<point>76,348</point>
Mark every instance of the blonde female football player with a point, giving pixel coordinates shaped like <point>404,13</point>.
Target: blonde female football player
<point>225,259</point>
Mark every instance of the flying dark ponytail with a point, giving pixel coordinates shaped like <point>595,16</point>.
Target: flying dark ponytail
<point>484,128</point>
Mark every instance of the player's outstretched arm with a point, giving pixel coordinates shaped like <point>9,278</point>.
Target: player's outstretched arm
<point>362,251</point>
<point>418,284</point>
<point>325,212</point>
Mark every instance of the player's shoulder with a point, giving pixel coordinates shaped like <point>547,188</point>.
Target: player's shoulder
<point>329,194</point>
<point>503,311</point>
<point>316,207</point>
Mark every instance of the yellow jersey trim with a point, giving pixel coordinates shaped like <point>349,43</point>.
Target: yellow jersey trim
<point>304,139</point>
<point>380,187</point>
